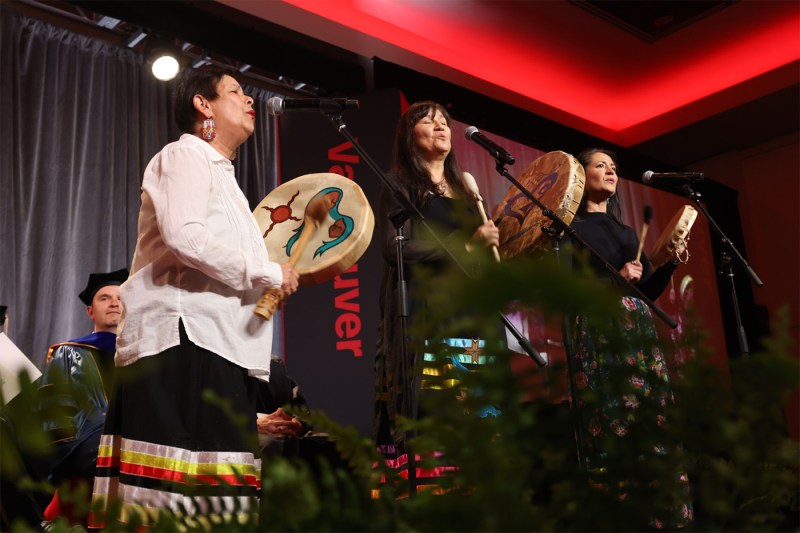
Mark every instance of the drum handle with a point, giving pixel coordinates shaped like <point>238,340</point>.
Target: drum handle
<point>316,210</point>
<point>641,242</point>
<point>472,186</point>
<point>648,214</point>
<point>485,219</point>
<point>273,297</point>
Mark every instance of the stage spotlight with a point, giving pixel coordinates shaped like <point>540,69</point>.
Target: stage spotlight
<point>164,58</point>
<point>165,67</point>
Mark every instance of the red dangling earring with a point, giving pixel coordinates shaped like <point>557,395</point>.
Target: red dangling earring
<point>209,130</point>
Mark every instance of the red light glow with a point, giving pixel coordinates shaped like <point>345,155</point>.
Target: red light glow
<point>560,61</point>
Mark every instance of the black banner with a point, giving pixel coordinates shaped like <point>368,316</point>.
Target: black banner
<point>330,329</point>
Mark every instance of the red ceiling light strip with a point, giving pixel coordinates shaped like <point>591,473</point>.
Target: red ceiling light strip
<point>571,66</point>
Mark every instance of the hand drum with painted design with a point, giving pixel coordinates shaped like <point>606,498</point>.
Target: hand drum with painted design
<point>330,213</point>
<point>557,179</point>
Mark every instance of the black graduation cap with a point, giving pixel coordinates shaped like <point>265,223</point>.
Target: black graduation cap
<point>98,280</point>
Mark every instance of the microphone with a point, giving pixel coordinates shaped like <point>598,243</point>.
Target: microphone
<point>680,177</point>
<point>472,134</point>
<point>277,105</point>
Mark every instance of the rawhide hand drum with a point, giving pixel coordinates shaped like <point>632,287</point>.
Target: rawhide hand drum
<point>335,216</point>
<point>557,180</point>
<point>675,233</point>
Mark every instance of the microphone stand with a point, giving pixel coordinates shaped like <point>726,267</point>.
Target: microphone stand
<point>728,253</point>
<point>409,209</point>
<point>558,226</point>
<point>569,350</point>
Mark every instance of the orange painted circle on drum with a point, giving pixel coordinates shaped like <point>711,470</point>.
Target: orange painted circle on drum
<point>557,179</point>
<point>675,233</point>
<point>341,237</point>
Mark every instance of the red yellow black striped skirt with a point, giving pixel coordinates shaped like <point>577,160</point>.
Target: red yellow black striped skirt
<point>179,437</point>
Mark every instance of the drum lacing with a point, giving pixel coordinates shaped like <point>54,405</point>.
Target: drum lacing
<point>685,250</point>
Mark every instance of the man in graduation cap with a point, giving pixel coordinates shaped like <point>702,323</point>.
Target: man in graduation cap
<point>104,308</point>
<point>77,377</point>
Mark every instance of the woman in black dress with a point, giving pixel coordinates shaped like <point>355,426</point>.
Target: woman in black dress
<point>425,167</point>
<point>599,356</point>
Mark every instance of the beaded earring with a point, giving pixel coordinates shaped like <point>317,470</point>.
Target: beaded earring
<point>209,130</point>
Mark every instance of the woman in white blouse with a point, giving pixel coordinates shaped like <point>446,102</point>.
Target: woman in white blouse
<point>199,268</point>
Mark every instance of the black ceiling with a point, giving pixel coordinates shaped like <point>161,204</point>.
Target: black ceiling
<point>275,49</point>
<point>756,122</point>
<point>650,19</point>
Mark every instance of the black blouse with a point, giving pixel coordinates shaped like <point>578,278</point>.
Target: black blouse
<point>618,243</point>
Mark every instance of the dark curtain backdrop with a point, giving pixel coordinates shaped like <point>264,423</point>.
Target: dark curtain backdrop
<point>80,118</point>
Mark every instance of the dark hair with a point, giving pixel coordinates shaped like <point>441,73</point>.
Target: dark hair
<point>191,82</point>
<point>409,166</point>
<point>613,206</point>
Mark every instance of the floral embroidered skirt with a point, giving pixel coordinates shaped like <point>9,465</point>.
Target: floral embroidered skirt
<point>619,376</point>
